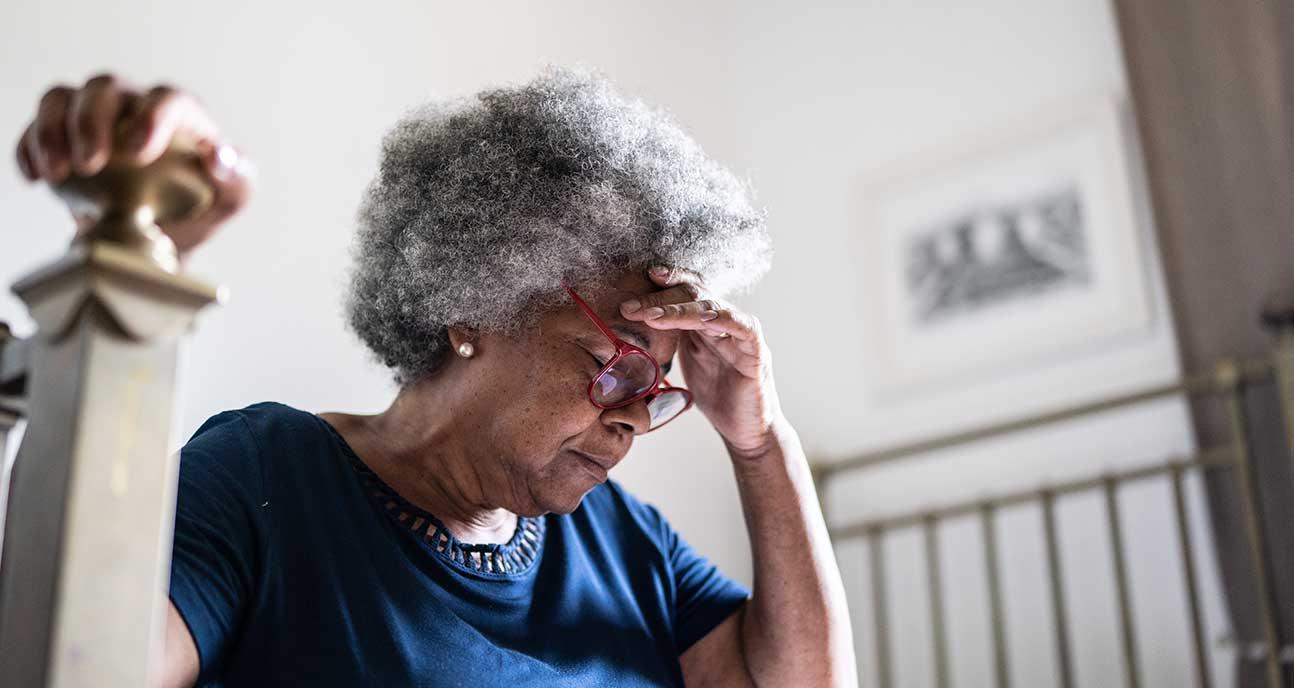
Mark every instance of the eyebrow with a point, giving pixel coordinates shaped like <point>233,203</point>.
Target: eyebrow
<point>632,334</point>
<point>636,336</point>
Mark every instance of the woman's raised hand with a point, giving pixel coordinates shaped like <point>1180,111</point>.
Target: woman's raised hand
<point>723,355</point>
<point>77,130</point>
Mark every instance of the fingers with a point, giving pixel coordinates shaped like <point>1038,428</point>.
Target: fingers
<point>683,305</point>
<point>91,122</point>
<point>742,330</point>
<point>747,356</point>
<point>688,315</point>
<point>46,138</point>
<point>76,130</point>
<point>81,130</point>
<point>678,291</point>
<point>163,112</point>
<point>710,317</point>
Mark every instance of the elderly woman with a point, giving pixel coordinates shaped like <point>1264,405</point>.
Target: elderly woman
<point>529,262</point>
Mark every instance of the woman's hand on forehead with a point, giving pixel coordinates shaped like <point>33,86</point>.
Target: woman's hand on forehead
<point>721,351</point>
<point>683,303</point>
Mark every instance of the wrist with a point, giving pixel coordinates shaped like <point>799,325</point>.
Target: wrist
<point>766,444</point>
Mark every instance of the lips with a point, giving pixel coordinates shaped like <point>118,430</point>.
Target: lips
<point>596,465</point>
<point>605,464</point>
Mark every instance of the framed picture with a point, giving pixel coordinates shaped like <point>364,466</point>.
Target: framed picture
<point>1025,244</point>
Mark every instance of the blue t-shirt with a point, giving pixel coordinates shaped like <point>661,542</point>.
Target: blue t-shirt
<point>294,565</point>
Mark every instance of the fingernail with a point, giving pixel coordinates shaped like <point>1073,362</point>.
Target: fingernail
<point>630,306</point>
<point>709,315</point>
<point>659,270</point>
<point>654,312</point>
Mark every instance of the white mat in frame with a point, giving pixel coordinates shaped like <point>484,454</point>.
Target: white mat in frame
<point>1022,244</point>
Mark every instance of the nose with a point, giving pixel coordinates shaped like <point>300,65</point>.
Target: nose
<point>634,418</point>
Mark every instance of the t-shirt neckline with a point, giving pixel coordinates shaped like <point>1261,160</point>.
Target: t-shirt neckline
<point>512,559</point>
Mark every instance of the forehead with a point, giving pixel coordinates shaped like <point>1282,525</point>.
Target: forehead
<point>605,300</point>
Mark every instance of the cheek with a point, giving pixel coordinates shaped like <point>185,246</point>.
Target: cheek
<point>547,405</point>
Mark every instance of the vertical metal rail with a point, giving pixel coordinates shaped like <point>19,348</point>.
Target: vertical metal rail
<point>1060,620</point>
<point>1001,663</point>
<point>934,581</point>
<point>1127,631</point>
<point>1204,677</point>
<point>1229,379</point>
<point>875,531</point>
<point>880,614</point>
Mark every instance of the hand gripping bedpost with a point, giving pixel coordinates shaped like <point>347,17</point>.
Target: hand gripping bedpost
<point>87,533</point>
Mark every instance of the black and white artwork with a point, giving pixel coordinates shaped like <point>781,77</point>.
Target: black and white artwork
<point>984,258</point>
<point>1023,244</point>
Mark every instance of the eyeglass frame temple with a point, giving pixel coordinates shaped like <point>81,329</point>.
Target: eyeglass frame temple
<point>598,321</point>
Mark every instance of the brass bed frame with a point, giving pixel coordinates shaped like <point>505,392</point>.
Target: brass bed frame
<point>1227,381</point>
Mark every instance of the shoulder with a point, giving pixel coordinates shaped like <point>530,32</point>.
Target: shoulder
<point>240,445</point>
<point>266,418</point>
<point>264,429</point>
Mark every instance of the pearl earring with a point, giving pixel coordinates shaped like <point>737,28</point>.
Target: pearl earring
<point>466,350</point>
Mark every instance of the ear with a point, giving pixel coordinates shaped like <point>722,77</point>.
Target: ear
<point>458,335</point>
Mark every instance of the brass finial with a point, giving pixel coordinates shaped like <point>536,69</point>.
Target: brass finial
<point>127,202</point>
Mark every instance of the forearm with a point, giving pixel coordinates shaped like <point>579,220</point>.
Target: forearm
<point>796,628</point>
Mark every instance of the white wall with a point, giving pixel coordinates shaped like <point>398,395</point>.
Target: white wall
<point>805,98</point>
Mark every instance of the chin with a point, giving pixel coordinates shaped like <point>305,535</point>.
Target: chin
<point>566,499</point>
<point>561,488</point>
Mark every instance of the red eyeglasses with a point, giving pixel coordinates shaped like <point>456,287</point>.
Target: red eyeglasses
<point>633,374</point>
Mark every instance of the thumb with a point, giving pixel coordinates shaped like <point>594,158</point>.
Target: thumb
<point>231,175</point>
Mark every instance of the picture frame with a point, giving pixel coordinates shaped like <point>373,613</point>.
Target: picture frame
<point>1025,244</point>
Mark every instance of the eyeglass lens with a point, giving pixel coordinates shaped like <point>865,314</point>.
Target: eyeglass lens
<point>630,377</point>
<point>665,406</point>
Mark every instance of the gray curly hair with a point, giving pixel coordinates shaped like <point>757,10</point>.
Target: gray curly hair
<point>482,207</point>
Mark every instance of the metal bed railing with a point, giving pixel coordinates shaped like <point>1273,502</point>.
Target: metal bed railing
<point>1228,382</point>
